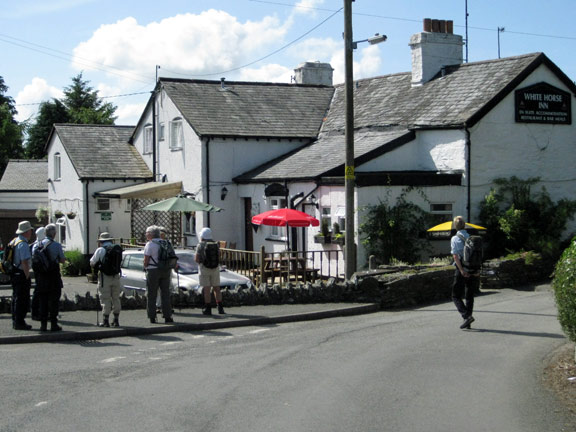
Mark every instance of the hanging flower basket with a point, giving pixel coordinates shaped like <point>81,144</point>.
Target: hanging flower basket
<point>70,215</point>
<point>58,214</point>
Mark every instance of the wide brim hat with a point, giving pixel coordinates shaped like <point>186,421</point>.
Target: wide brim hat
<point>205,234</point>
<point>23,227</point>
<point>105,237</point>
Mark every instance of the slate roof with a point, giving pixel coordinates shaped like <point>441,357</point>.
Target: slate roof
<point>102,151</point>
<point>460,97</point>
<point>25,176</point>
<point>250,109</point>
<point>326,156</point>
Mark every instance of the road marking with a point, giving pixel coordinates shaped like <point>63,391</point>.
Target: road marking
<point>171,343</point>
<point>39,404</point>
<point>112,359</point>
<point>258,331</point>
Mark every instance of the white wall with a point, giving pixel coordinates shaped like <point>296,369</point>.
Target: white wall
<point>23,200</point>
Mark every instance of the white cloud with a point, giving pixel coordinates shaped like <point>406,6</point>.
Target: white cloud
<point>269,73</point>
<point>129,114</point>
<point>307,7</point>
<point>37,90</point>
<point>211,42</point>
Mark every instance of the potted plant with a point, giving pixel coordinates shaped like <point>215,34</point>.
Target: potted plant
<point>337,235</point>
<point>42,214</point>
<point>71,215</point>
<point>323,237</point>
<point>58,214</point>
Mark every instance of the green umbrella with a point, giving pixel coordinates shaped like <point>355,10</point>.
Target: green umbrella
<point>181,204</point>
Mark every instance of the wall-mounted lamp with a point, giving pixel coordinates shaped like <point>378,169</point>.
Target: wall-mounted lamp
<point>223,193</point>
<point>313,200</point>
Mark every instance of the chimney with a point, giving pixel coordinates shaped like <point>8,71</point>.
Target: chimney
<point>433,49</point>
<point>315,73</point>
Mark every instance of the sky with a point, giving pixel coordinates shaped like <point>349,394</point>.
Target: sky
<point>121,46</point>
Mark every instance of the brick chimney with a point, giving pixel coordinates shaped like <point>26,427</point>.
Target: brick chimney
<point>433,49</point>
<point>315,73</point>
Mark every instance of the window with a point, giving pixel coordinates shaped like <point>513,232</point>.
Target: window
<point>161,132</point>
<point>148,139</point>
<point>277,232</point>
<point>441,212</point>
<point>61,231</point>
<point>326,218</point>
<point>340,216</point>
<point>176,134</point>
<point>103,204</point>
<point>189,223</point>
<point>57,167</point>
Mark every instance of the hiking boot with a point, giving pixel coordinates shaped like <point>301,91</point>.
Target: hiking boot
<point>105,322</point>
<point>207,310</point>
<point>116,322</point>
<point>44,326</point>
<point>169,320</point>
<point>55,327</point>
<point>221,309</point>
<point>21,326</point>
<point>467,322</point>
<point>153,320</point>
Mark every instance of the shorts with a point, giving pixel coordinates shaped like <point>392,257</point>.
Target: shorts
<point>209,277</point>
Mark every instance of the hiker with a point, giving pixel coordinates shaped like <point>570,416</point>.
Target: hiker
<point>20,279</point>
<point>465,281</point>
<point>158,275</point>
<point>48,278</point>
<point>35,311</point>
<point>163,236</point>
<point>107,260</point>
<point>207,256</point>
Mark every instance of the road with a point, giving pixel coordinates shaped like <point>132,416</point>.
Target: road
<point>389,371</point>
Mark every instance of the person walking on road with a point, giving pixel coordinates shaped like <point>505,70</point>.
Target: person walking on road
<point>107,260</point>
<point>35,310</point>
<point>20,279</point>
<point>158,276</point>
<point>465,283</point>
<point>49,280</point>
<point>207,256</point>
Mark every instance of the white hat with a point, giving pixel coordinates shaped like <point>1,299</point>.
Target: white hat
<point>23,227</point>
<point>205,234</point>
<point>40,233</point>
<point>105,237</point>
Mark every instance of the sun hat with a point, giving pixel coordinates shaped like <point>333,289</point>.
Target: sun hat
<point>40,234</point>
<point>105,237</point>
<point>205,234</point>
<point>23,227</point>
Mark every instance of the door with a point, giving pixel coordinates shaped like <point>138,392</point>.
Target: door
<point>248,233</point>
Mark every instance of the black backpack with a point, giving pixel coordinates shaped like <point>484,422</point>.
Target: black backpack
<point>473,252</point>
<point>7,263</point>
<point>41,261</point>
<point>167,258</point>
<point>112,260</point>
<point>211,256</point>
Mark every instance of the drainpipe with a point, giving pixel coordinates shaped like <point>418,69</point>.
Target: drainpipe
<point>468,174</point>
<point>154,156</point>
<point>208,179</point>
<point>293,232</point>
<point>87,219</point>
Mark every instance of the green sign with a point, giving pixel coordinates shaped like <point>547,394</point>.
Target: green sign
<point>105,216</point>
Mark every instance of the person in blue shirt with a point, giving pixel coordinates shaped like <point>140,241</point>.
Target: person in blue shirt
<point>20,279</point>
<point>49,284</point>
<point>465,284</point>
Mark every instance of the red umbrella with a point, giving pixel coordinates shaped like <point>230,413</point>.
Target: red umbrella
<point>285,217</point>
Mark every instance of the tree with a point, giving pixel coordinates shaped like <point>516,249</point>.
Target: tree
<point>80,105</point>
<point>563,284</point>
<point>10,129</point>
<point>49,113</point>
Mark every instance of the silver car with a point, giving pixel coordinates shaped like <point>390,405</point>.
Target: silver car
<point>133,278</point>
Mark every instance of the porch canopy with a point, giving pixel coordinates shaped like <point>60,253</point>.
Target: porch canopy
<point>151,190</point>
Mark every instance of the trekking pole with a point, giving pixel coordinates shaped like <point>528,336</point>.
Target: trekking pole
<point>101,278</point>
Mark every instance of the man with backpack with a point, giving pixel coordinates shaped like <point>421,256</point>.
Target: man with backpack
<point>159,260</point>
<point>208,257</point>
<point>17,262</point>
<point>466,279</point>
<point>47,255</point>
<point>107,260</point>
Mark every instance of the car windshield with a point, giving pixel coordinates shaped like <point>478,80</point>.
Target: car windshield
<point>186,263</point>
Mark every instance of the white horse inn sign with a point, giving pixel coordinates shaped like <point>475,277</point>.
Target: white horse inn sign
<point>543,103</point>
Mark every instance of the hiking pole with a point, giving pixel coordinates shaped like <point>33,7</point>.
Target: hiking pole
<point>101,279</point>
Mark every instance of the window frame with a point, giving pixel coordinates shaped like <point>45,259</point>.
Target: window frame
<point>148,139</point>
<point>275,203</point>
<point>176,127</point>
<point>57,166</point>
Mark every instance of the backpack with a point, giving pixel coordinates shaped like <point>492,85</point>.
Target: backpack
<point>211,255</point>
<point>112,260</point>
<point>7,263</point>
<point>473,252</point>
<point>167,258</point>
<point>40,260</point>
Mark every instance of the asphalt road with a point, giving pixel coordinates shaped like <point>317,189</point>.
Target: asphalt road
<point>388,371</point>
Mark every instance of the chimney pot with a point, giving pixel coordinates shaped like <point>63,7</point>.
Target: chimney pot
<point>450,26</point>
<point>427,25</point>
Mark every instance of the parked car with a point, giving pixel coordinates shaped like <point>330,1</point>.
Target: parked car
<point>133,278</point>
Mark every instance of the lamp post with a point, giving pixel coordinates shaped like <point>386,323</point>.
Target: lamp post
<point>349,46</point>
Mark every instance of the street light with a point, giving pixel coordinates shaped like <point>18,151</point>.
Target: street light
<point>349,46</point>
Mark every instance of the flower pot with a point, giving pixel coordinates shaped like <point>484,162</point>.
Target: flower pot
<point>71,215</point>
<point>338,240</point>
<point>58,214</point>
<point>322,239</point>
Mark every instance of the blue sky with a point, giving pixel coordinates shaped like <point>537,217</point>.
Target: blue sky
<point>118,44</point>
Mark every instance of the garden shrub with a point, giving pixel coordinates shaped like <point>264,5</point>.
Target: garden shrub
<point>564,285</point>
<point>75,263</point>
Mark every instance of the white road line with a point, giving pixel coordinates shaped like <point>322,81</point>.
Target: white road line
<point>258,331</point>
<point>39,404</point>
<point>112,359</point>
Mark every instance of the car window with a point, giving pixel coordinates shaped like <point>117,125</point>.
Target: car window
<point>136,262</point>
<point>186,263</point>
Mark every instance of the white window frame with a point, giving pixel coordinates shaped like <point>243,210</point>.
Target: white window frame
<point>103,205</point>
<point>277,233</point>
<point>57,166</point>
<point>442,214</point>
<point>189,223</point>
<point>340,216</point>
<point>326,213</point>
<point>148,140</point>
<point>61,231</point>
<point>176,134</point>
<point>161,131</point>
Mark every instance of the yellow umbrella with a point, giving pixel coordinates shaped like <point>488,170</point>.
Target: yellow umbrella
<point>447,226</point>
